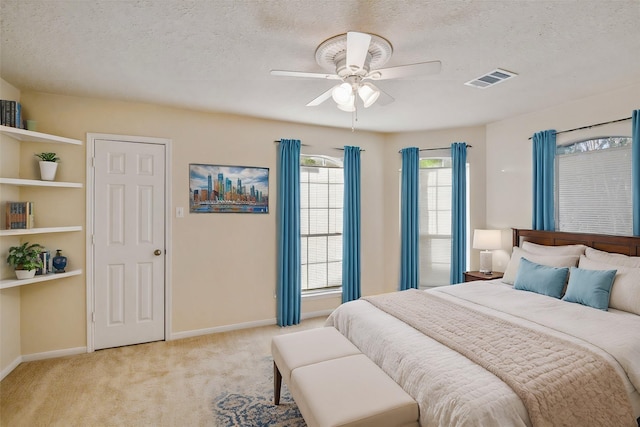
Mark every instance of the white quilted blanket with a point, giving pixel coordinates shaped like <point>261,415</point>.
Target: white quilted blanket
<point>453,391</point>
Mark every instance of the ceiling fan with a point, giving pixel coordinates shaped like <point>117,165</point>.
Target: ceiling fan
<point>356,57</point>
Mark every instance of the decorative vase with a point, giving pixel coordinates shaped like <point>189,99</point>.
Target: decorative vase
<point>48,170</point>
<point>25,274</point>
<point>59,262</point>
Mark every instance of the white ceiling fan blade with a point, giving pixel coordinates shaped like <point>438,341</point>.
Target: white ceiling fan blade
<point>419,69</point>
<point>384,98</point>
<point>285,73</point>
<point>357,49</point>
<point>320,99</point>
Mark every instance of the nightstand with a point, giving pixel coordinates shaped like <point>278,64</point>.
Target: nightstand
<point>470,276</point>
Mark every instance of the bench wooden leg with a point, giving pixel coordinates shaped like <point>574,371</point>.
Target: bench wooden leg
<point>277,384</point>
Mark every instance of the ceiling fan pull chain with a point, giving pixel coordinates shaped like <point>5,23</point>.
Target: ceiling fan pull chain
<point>354,116</point>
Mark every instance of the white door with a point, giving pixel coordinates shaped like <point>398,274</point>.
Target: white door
<point>129,243</point>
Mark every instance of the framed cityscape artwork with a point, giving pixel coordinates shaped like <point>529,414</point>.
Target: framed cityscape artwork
<point>228,189</point>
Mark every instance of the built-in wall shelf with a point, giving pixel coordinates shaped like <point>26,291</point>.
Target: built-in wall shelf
<point>12,283</point>
<point>28,135</point>
<point>39,183</point>
<point>45,230</point>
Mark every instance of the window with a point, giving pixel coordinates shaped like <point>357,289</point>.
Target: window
<point>593,186</point>
<point>321,199</point>
<point>436,182</point>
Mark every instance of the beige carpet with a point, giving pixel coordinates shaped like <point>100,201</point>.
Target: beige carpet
<point>175,383</point>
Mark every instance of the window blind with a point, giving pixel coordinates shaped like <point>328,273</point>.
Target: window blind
<point>594,191</point>
<point>435,226</point>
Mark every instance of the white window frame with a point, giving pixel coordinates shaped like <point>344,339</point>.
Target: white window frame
<point>326,162</point>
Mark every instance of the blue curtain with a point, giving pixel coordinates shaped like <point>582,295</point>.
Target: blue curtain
<point>458,212</point>
<point>288,293</point>
<point>409,227</point>
<point>544,153</point>
<point>635,170</point>
<point>351,225</point>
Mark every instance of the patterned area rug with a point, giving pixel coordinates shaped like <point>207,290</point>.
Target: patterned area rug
<point>253,406</point>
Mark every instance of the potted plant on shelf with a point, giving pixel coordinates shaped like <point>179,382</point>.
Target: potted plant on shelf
<point>48,165</point>
<point>25,259</point>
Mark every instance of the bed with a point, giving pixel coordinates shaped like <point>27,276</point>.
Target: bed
<point>580,361</point>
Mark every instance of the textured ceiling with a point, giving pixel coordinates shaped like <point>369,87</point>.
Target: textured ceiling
<point>216,55</point>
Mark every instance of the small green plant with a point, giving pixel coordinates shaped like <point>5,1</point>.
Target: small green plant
<point>47,157</point>
<point>25,256</point>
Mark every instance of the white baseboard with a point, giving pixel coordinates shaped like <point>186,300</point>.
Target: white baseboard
<point>40,356</point>
<point>321,313</point>
<point>53,354</point>
<point>245,325</point>
<point>13,365</point>
<point>225,328</point>
<point>178,335</point>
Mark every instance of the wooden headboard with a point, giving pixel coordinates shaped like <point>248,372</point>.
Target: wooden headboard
<point>617,244</point>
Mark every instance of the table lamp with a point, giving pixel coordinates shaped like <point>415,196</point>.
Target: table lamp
<point>486,240</point>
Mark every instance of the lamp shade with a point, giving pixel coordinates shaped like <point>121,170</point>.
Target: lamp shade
<point>348,106</point>
<point>368,93</point>
<point>487,239</point>
<point>342,94</point>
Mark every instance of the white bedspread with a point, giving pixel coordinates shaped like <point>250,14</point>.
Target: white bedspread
<point>453,391</point>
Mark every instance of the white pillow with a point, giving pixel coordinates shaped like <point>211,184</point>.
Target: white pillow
<point>534,248</point>
<point>625,293</point>
<point>551,261</point>
<point>614,259</point>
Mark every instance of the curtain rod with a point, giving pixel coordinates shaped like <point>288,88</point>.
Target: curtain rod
<point>433,149</point>
<point>277,141</point>
<point>342,149</point>
<point>590,126</point>
<point>305,145</point>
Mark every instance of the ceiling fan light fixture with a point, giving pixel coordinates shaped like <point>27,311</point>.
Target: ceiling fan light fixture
<point>350,107</point>
<point>342,94</point>
<point>369,94</point>
<point>356,58</point>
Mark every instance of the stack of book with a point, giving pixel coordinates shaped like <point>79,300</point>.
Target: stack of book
<point>11,114</point>
<point>19,215</point>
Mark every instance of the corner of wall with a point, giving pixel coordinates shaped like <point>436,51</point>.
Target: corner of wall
<point>10,342</point>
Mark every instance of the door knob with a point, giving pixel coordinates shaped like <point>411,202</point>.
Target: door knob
<point>157,252</point>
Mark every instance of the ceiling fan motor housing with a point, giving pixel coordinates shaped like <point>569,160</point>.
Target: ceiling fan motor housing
<point>331,55</point>
<point>344,71</point>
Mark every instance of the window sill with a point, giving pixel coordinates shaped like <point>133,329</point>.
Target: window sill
<point>311,295</point>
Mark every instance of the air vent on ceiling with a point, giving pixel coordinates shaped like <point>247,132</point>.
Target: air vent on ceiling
<point>492,78</point>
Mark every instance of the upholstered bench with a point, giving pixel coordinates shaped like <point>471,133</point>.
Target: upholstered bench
<point>291,351</point>
<point>351,391</point>
<point>335,385</point>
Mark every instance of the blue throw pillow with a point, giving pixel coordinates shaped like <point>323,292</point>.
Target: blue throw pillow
<point>541,278</point>
<point>590,287</point>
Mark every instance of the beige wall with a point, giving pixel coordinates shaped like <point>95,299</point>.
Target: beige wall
<point>224,265</point>
<point>474,136</point>
<point>509,165</point>
<point>10,350</point>
<point>50,315</point>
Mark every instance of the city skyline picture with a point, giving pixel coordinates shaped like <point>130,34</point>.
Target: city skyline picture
<point>228,189</point>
